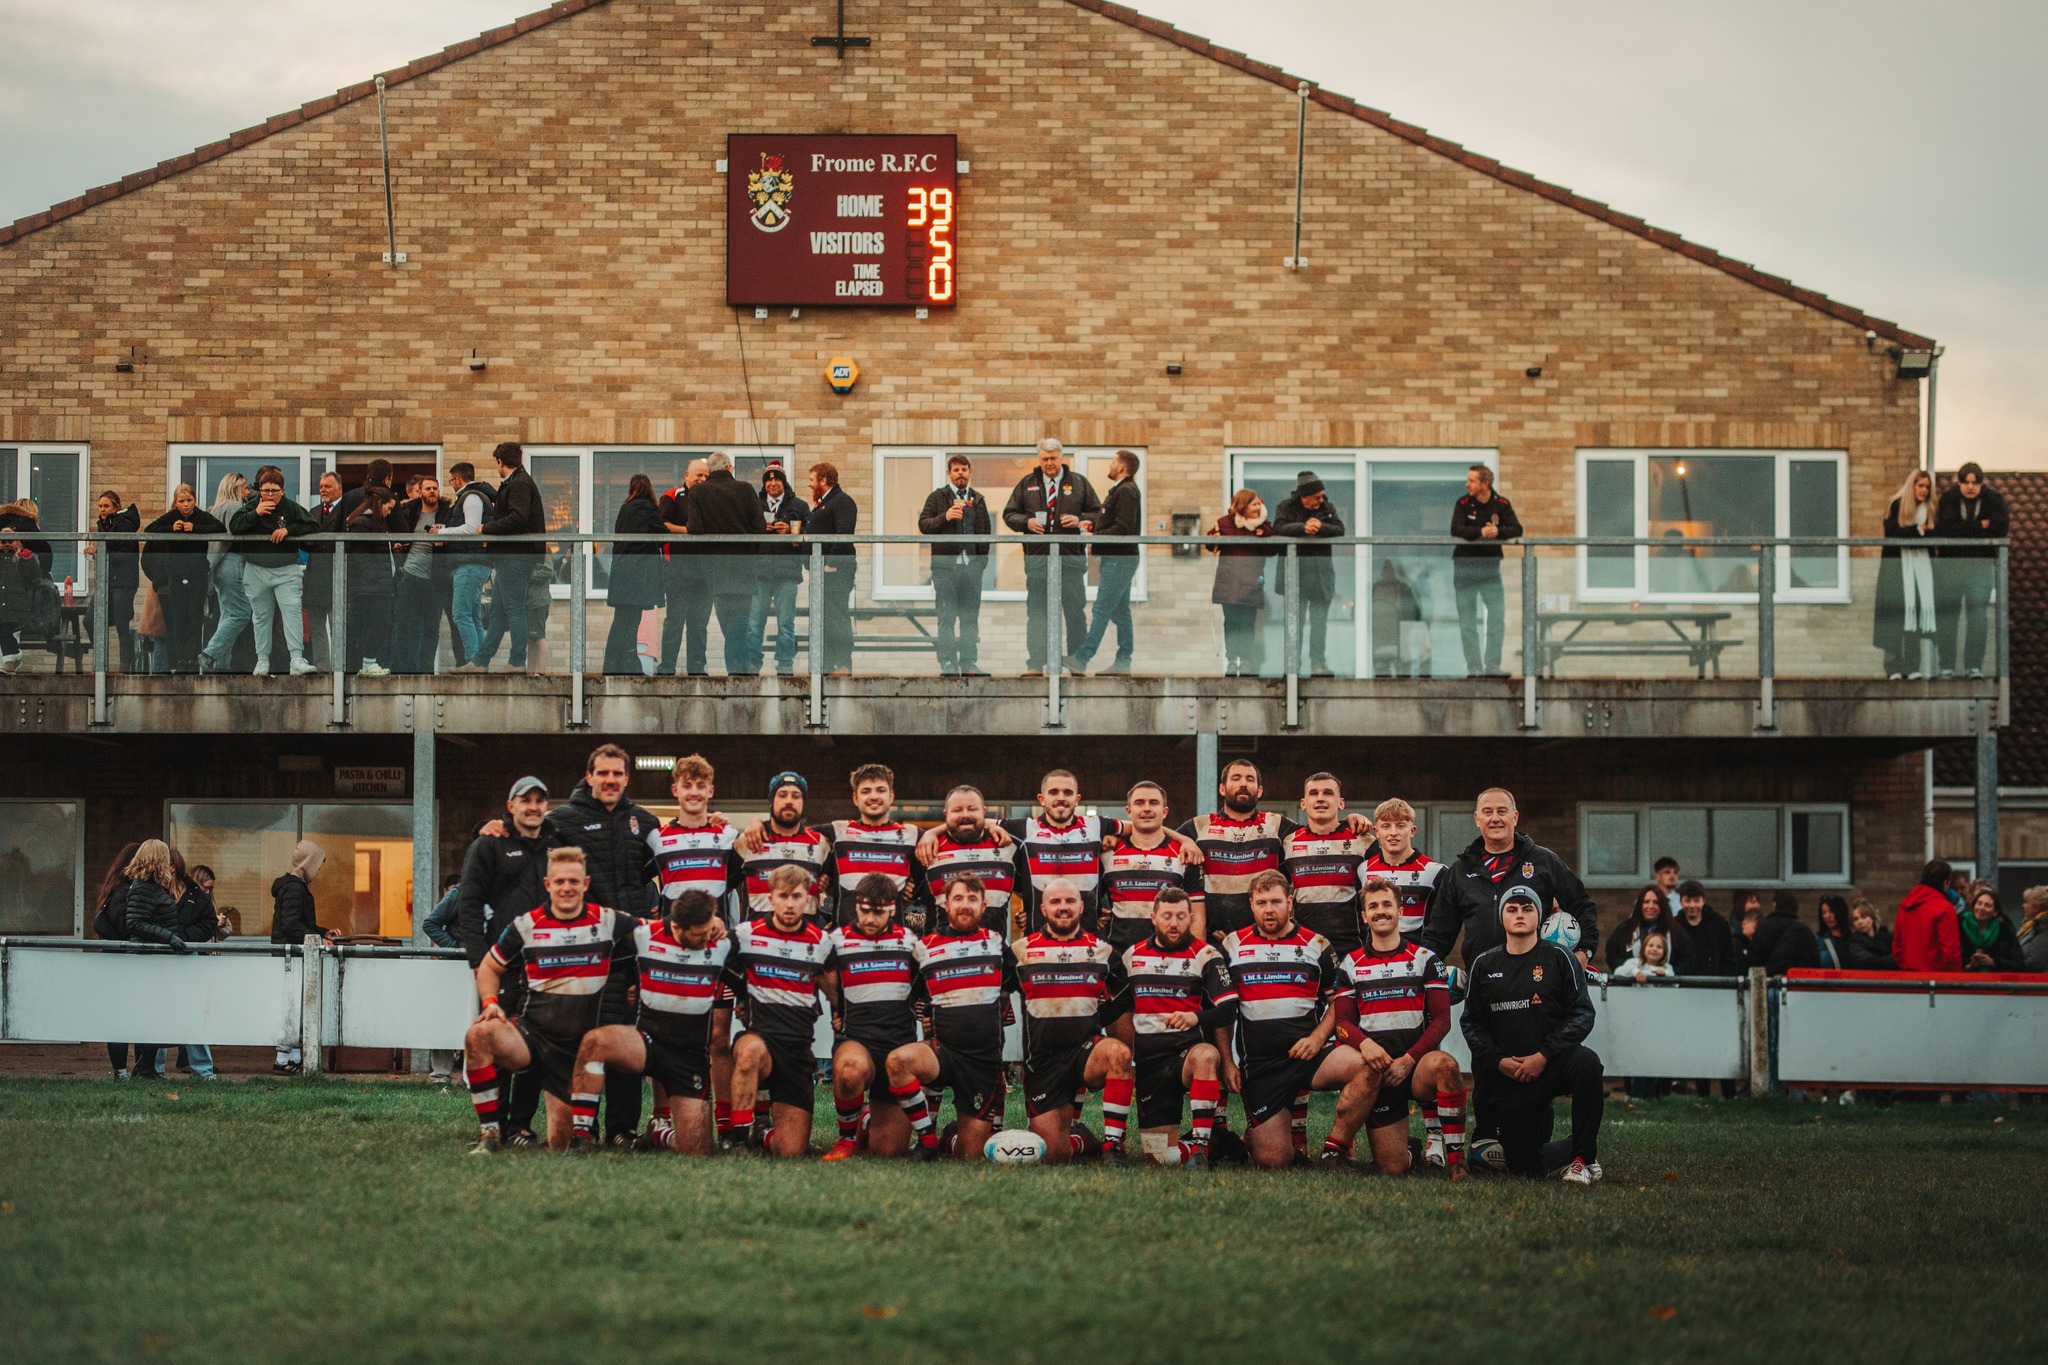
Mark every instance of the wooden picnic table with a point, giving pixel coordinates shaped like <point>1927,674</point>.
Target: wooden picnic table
<point>1701,648</point>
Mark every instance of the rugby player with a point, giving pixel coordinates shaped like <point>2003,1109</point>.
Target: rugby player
<point>502,877</point>
<point>964,972</point>
<point>777,967</point>
<point>579,959</point>
<point>1527,1015</point>
<point>970,842</point>
<point>1059,842</point>
<point>1396,1010</point>
<point>876,958</point>
<point>1414,875</point>
<point>682,960</point>
<point>1321,860</point>
<point>1284,977</point>
<point>873,842</point>
<point>1063,972</point>
<point>1141,864</point>
<point>1179,996</point>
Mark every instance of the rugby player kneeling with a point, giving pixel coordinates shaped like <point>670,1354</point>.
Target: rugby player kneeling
<point>877,958</point>
<point>1179,997</point>
<point>1063,971</point>
<point>964,972</point>
<point>778,966</point>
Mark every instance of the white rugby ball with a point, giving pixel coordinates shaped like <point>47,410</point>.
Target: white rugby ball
<point>1561,929</point>
<point>1015,1147</point>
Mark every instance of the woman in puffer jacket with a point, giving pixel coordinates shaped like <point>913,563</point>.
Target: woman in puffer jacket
<point>153,896</point>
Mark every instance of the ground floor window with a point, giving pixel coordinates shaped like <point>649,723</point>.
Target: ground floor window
<point>206,466</point>
<point>42,868</point>
<point>55,478</point>
<point>1721,845</point>
<point>364,888</point>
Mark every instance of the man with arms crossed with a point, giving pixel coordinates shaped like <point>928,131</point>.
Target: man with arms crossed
<point>579,974</point>
<point>680,968</point>
<point>1179,997</point>
<point>877,958</point>
<point>1395,1010</point>
<point>777,968</point>
<point>1063,971</point>
<point>964,972</point>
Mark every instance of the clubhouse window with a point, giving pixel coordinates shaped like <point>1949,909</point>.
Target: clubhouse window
<point>1719,845</point>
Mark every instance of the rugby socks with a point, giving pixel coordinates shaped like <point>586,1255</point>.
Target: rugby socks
<point>743,1121</point>
<point>583,1109</point>
<point>1450,1109</point>
<point>1297,1121</point>
<point>1203,1098</point>
<point>483,1093</point>
<point>850,1121</point>
<point>721,1116</point>
<point>915,1108</point>
<point>1330,1144</point>
<point>1116,1109</point>
<point>1432,1125</point>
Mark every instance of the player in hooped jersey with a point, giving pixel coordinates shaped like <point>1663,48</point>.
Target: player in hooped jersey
<point>964,972</point>
<point>1141,864</point>
<point>874,842</point>
<point>682,959</point>
<point>579,974</point>
<point>1321,860</point>
<point>778,966</point>
<point>1059,842</point>
<point>1413,874</point>
<point>1179,996</point>
<point>1285,976</point>
<point>1239,842</point>
<point>1397,1007</point>
<point>876,959</point>
<point>969,842</point>
<point>1063,972</point>
<point>784,841</point>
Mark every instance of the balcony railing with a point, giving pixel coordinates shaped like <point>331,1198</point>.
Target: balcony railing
<point>1373,610</point>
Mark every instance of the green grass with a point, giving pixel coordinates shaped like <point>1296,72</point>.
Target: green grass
<point>319,1220</point>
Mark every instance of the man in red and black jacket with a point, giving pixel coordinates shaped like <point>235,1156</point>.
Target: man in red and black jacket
<point>1483,518</point>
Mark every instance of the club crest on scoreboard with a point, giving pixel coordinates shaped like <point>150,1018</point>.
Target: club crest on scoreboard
<point>770,190</point>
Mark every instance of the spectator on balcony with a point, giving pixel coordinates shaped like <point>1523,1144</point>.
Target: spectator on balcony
<point>224,562</point>
<point>1713,945</point>
<point>318,588</point>
<point>1240,587</point>
<point>1309,515</point>
<point>517,510</point>
<point>1988,941</point>
<point>1483,518</point>
<point>415,644</point>
<point>723,506</point>
<point>28,600</point>
<point>472,505</point>
<point>1651,915</point>
<point>370,586</point>
<point>1970,509</point>
<point>1925,934</point>
<point>23,515</point>
<point>1905,610</point>
<point>1868,948</point>
<point>2034,927</point>
<point>176,564</point>
<point>781,571</point>
<point>1052,500</point>
<point>1782,941</point>
<point>635,583</point>
<point>957,508</point>
<point>833,513</point>
<point>124,577</point>
<point>687,626</point>
<point>270,573</point>
<point>1123,514</point>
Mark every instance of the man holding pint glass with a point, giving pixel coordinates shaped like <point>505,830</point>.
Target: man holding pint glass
<point>955,508</point>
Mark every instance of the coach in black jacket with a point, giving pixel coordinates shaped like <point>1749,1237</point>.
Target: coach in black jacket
<point>1782,941</point>
<point>502,875</point>
<point>1468,891</point>
<point>612,832</point>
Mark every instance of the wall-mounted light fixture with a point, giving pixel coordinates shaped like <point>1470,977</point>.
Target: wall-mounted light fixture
<point>1912,364</point>
<point>1534,372</point>
<point>478,363</point>
<point>1173,367</point>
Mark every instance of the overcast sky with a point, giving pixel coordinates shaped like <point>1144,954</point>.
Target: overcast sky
<point>1890,153</point>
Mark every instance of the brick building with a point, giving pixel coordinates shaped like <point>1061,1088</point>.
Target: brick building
<point>1127,201</point>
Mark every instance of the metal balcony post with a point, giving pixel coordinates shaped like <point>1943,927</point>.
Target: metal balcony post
<point>1532,662</point>
<point>1290,580</point>
<point>1055,612</point>
<point>814,628</point>
<point>578,636</point>
<point>1987,800</point>
<point>1766,637</point>
<point>101,573</point>
<point>337,635</point>
<point>2004,636</point>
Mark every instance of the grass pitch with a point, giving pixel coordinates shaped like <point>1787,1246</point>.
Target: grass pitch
<point>339,1220</point>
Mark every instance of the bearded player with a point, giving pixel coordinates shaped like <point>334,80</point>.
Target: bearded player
<point>877,959</point>
<point>964,972</point>
<point>1180,998</point>
<point>1063,971</point>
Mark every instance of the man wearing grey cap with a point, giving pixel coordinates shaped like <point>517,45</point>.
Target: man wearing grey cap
<point>502,879</point>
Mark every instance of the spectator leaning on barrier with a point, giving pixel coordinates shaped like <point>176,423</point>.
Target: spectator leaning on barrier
<point>1868,948</point>
<point>834,513</point>
<point>780,571</point>
<point>1782,941</point>
<point>1308,515</point>
<point>110,924</point>
<point>1484,518</point>
<point>1988,941</point>
<point>1964,575</point>
<point>957,508</point>
<point>1904,614</point>
<point>1123,514</point>
<point>2034,927</point>
<point>1713,945</point>
<point>153,896</point>
<point>1925,934</point>
<point>1052,500</point>
<point>28,600</point>
<point>317,587</point>
<point>723,506</point>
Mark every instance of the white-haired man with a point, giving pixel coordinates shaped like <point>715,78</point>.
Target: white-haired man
<point>723,506</point>
<point>1052,500</point>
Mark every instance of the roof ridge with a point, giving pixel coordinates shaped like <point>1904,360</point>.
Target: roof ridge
<point>276,123</point>
<point>1486,165</point>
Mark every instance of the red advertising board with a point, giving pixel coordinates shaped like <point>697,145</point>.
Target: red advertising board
<point>822,220</point>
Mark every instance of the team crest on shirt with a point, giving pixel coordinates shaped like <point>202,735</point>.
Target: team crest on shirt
<point>633,824</point>
<point>1528,870</point>
<point>770,191</point>
<point>1535,973</point>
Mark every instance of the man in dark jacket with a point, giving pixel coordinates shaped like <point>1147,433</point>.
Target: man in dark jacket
<point>1469,890</point>
<point>957,508</point>
<point>611,830</point>
<point>686,629</point>
<point>271,576</point>
<point>517,511</point>
<point>833,513</point>
<point>502,874</point>
<point>1309,515</point>
<point>468,569</point>
<point>1052,500</point>
<point>780,572</point>
<point>723,506</point>
<point>1123,514</point>
<point>121,562</point>
<point>1713,946</point>
<point>317,589</point>
<point>1484,518</point>
<point>1964,576</point>
<point>1782,940</point>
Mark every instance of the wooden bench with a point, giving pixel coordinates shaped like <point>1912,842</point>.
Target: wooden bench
<point>69,642</point>
<point>1702,648</point>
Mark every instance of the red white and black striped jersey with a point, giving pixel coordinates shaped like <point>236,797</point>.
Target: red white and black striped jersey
<point>696,859</point>
<point>1414,880</point>
<point>809,849</point>
<point>1045,854</point>
<point>1065,983</point>
<point>678,985</point>
<point>1235,851</point>
<point>572,966</point>
<point>1323,869</point>
<point>859,849</point>
<point>874,984</point>
<point>1282,986</point>
<point>1390,990</point>
<point>1190,979</point>
<point>777,973</point>
<point>1132,879</point>
<point>995,865</point>
<point>965,977</point>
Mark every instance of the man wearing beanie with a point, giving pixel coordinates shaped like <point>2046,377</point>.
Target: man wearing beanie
<point>1308,515</point>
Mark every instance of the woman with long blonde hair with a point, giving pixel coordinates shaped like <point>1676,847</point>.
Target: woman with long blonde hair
<point>231,604</point>
<point>1905,579</point>
<point>153,891</point>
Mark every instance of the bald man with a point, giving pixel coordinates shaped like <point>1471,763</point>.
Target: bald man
<point>1502,856</point>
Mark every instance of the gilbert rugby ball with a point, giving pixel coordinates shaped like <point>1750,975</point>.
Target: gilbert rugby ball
<point>1015,1147</point>
<point>1562,930</point>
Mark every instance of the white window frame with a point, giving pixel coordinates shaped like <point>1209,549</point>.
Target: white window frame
<point>88,495</point>
<point>311,460</point>
<point>1090,462</point>
<point>1782,485</point>
<point>1647,856</point>
<point>78,889</point>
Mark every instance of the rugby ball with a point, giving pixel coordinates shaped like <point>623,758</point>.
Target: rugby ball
<point>1454,978</point>
<point>1561,929</point>
<point>1015,1147</point>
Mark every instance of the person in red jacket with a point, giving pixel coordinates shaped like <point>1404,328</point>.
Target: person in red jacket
<point>1924,936</point>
